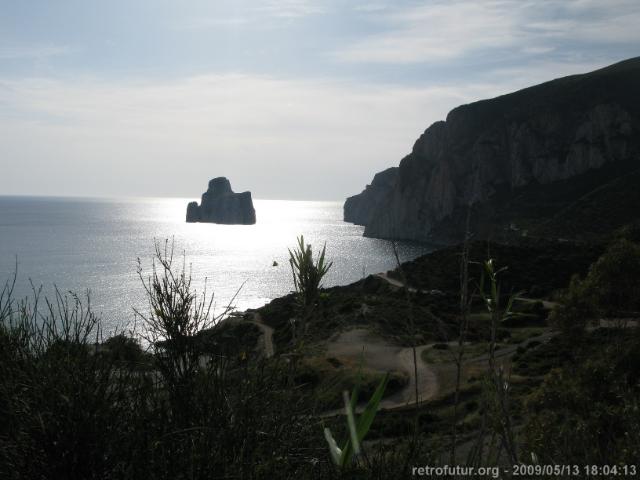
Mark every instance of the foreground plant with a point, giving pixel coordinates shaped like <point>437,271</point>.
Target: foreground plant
<point>307,276</point>
<point>497,392</point>
<point>75,407</point>
<point>358,428</point>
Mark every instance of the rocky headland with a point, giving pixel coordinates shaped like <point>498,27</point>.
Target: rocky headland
<point>532,162</point>
<point>220,204</point>
<point>360,208</point>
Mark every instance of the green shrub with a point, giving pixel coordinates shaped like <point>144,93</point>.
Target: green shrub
<point>574,310</point>
<point>613,282</point>
<point>124,349</point>
<point>574,420</point>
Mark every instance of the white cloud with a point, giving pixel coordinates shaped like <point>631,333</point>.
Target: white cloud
<point>254,13</point>
<point>203,23</point>
<point>533,50</point>
<point>267,134</point>
<point>15,52</point>
<point>371,7</point>
<point>434,32</point>
<point>446,30</point>
<point>536,72</point>
<point>277,137</point>
<point>291,8</point>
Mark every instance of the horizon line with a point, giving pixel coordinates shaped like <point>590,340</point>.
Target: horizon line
<point>150,197</point>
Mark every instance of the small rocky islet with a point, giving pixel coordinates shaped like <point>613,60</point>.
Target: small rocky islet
<point>220,204</point>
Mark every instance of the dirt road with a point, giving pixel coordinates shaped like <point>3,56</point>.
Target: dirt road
<point>356,345</point>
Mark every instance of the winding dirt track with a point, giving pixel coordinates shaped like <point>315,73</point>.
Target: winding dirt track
<point>356,345</point>
<point>360,345</point>
<point>267,334</point>
<point>379,354</point>
<point>254,318</point>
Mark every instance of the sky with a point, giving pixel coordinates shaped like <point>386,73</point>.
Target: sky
<point>291,99</point>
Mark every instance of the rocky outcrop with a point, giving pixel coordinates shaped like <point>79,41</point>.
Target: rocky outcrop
<point>359,208</point>
<point>496,148</point>
<point>221,205</point>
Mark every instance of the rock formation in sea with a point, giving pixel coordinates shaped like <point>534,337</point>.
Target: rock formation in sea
<point>518,160</point>
<point>220,204</point>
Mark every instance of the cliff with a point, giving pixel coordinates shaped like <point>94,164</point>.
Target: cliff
<point>359,208</point>
<point>521,157</point>
<point>220,204</point>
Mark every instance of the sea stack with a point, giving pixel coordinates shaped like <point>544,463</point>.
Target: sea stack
<point>221,205</point>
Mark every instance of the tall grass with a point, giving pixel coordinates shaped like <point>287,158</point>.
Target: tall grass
<point>463,326</point>
<point>73,408</point>
<point>498,395</point>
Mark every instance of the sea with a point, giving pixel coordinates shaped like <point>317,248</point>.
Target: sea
<point>81,245</point>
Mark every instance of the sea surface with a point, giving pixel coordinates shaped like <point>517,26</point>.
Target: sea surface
<point>80,244</point>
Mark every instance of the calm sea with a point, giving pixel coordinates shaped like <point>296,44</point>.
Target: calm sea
<point>79,244</point>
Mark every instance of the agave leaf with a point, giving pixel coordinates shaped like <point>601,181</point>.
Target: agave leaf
<point>336,453</point>
<point>371,409</point>
<point>508,313</point>
<point>356,389</point>
<point>534,458</point>
<point>364,422</point>
<point>351,422</point>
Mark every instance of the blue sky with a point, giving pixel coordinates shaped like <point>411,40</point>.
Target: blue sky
<point>290,99</point>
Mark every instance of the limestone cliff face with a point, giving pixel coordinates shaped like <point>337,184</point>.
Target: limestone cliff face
<point>359,208</point>
<point>220,204</point>
<point>537,136</point>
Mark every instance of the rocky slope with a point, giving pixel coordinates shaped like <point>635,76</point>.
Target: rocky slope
<point>506,156</point>
<point>221,205</point>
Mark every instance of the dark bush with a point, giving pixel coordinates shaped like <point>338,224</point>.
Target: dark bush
<point>613,281</point>
<point>574,311</point>
<point>573,418</point>
<point>124,349</point>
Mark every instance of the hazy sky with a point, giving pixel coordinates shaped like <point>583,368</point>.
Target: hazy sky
<point>289,99</point>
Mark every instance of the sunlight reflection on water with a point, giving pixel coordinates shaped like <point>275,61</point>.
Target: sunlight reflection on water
<point>94,243</point>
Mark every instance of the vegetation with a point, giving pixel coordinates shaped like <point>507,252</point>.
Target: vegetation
<point>612,282</point>
<point>357,428</point>
<point>190,396</point>
<point>74,409</point>
<point>328,378</point>
<point>586,410</point>
<point>537,268</point>
<point>610,289</point>
<point>575,309</point>
<point>307,278</point>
